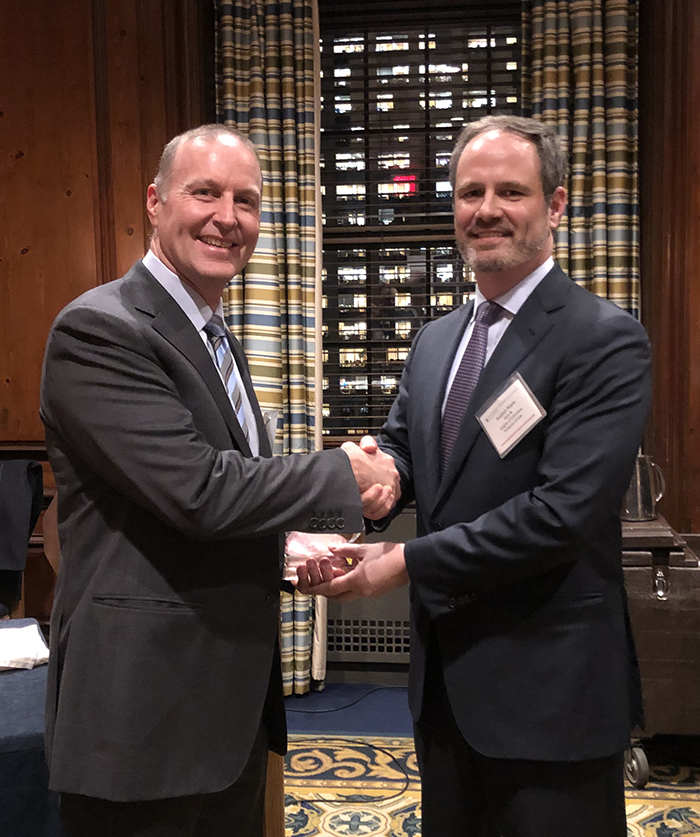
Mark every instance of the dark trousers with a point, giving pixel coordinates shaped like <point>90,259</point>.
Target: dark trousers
<point>471,795</point>
<point>236,810</point>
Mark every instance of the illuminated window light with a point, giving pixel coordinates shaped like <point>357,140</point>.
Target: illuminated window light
<point>350,191</point>
<point>356,384</point>
<point>392,46</point>
<point>348,330</point>
<point>397,354</point>
<point>443,188</point>
<point>394,273</point>
<point>350,161</point>
<point>356,301</point>
<point>396,190</point>
<point>387,384</point>
<point>348,45</point>
<point>397,160</point>
<point>343,104</point>
<point>353,357</point>
<point>356,274</point>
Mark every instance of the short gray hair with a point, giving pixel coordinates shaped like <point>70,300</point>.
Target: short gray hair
<point>205,132</point>
<point>553,163</point>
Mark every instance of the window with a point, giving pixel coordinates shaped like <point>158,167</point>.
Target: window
<point>399,82</point>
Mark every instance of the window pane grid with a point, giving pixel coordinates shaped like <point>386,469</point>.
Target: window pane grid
<point>395,96</point>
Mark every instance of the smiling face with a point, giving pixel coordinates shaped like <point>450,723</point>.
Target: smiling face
<point>207,225</point>
<point>503,224</point>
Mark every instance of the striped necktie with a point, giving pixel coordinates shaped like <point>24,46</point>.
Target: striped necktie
<point>466,378</point>
<point>216,332</point>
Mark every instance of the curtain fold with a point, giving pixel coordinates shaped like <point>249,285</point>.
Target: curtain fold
<point>580,74</point>
<point>267,88</point>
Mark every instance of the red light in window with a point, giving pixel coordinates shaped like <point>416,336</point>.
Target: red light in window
<point>406,178</point>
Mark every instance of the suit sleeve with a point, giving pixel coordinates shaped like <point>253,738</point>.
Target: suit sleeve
<point>601,392</point>
<point>107,398</point>
<point>393,439</point>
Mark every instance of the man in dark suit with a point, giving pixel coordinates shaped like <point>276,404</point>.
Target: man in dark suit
<point>524,685</point>
<point>164,680</point>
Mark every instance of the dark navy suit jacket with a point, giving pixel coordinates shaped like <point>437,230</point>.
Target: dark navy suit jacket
<point>516,568</point>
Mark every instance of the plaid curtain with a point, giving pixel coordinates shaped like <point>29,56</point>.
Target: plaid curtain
<point>580,74</point>
<point>267,88</point>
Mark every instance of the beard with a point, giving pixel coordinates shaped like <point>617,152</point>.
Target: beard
<point>485,261</point>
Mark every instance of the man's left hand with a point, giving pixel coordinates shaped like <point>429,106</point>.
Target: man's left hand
<point>377,568</point>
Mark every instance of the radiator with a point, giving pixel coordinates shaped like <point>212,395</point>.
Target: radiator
<point>374,630</point>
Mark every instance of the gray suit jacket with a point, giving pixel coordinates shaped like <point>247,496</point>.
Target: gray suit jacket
<point>166,610</point>
<point>516,573</point>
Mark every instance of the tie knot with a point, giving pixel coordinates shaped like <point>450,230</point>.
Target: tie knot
<point>215,327</point>
<point>488,312</point>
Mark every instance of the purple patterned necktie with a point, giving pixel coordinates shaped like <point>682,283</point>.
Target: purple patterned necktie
<point>466,378</point>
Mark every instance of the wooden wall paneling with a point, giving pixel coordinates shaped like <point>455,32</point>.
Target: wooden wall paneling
<point>670,245</point>
<point>124,121</point>
<point>692,188</point>
<point>91,91</point>
<point>185,30</point>
<point>47,170</point>
<point>156,121</point>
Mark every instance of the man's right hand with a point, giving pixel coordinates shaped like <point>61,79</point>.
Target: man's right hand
<point>376,476</point>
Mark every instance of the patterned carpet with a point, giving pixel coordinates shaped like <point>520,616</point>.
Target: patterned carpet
<point>369,787</point>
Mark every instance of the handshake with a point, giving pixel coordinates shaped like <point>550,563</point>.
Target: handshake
<point>376,476</point>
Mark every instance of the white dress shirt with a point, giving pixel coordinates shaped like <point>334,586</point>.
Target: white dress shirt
<point>511,302</point>
<point>199,314</point>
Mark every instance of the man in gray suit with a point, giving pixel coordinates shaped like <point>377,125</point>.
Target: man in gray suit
<point>164,680</point>
<point>515,429</point>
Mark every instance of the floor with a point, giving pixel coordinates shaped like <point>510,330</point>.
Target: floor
<point>351,709</point>
<point>351,769</point>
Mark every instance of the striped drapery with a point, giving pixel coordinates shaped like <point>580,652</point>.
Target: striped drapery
<point>267,87</point>
<point>580,75</point>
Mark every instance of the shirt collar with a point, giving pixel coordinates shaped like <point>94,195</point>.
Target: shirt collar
<point>514,299</point>
<point>196,309</point>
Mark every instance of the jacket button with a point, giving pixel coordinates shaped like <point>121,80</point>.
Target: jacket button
<point>452,604</point>
<point>340,523</point>
<point>271,601</point>
<point>322,523</point>
<point>331,523</point>
<point>313,523</point>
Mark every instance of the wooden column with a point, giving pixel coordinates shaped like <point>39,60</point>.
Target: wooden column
<point>669,88</point>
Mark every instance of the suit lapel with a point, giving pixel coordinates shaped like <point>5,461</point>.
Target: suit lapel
<point>529,326</point>
<point>171,322</point>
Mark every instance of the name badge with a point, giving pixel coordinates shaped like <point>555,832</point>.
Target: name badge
<point>510,414</point>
